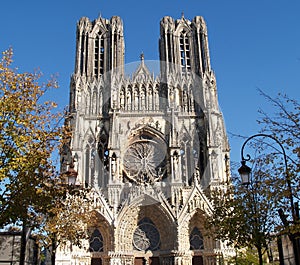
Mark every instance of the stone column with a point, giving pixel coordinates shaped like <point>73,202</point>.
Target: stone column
<point>120,259</point>
<point>177,258</point>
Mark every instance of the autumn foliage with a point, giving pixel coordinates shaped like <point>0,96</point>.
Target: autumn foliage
<point>33,193</point>
<point>30,131</point>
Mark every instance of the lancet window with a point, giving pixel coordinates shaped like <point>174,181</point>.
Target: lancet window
<point>99,55</point>
<point>83,52</point>
<point>184,48</point>
<point>203,51</point>
<point>104,159</point>
<point>116,36</point>
<point>169,45</point>
<point>186,160</point>
<point>90,155</point>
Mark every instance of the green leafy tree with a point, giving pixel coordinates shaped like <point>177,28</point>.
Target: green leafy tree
<point>247,216</point>
<point>243,217</point>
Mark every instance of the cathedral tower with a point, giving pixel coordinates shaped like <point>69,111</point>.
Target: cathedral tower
<point>152,148</point>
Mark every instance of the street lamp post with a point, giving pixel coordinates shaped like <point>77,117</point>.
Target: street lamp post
<point>245,173</point>
<point>71,174</point>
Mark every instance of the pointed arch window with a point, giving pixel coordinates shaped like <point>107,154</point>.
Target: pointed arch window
<point>196,239</point>
<point>102,149</point>
<point>186,160</point>
<point>203,51</point>
<point>83,52</point>
<point>116,37</point>
<point>169,47</point>
<point>90,156</point>
<point>99,55</point>
<point>87,165</point>
<point>103,166</point>
<point>185,55</point>
<point>96,241</point>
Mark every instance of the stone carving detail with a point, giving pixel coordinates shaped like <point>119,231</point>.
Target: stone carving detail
<point>145,98</point>
<point>197,203</point>
<point>146,123</point>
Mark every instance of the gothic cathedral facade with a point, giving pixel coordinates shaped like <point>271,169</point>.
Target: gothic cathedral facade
<point>151,147</point>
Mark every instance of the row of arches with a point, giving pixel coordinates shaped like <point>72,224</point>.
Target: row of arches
<point>182,98</point>
<point>145,98</point>
<point>146,237</point>
<point>139,98</point>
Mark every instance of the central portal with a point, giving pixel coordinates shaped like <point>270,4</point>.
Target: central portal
<point>142,261</point>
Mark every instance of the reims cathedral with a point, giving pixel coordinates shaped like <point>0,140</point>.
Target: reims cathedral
<point>152,147</point>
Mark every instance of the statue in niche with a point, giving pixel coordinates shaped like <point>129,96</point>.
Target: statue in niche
<point>197,176</point>
<point>143,100</point>
<point>128,100</point>
<point>185,101</point>
<point>113,166</point>
<point>122,99</point>
<point>150,99</point>
<point>176,165</point>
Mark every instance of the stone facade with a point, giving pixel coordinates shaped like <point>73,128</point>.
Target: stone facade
<point>152,148</point>
<point>10,247</point>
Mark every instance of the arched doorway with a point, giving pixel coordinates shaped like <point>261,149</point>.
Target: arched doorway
<point>197,260</point>
<point>143,261</point>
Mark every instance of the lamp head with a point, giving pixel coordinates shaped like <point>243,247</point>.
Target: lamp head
<point>245,173</point>
<point>71,175</point>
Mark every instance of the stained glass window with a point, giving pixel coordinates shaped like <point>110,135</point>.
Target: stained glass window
<point>146,236</point>
<point>96,241</point>
<point>196,239</point>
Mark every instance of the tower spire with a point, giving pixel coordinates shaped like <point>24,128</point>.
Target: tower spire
<point>142,57</point>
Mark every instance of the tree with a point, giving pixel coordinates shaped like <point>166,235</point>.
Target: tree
<point>67,222</point>
<point>243,217</point>
<point>33,194</point>
<point>30,132</point>
<point>284,125</point>
<point>247,216</point>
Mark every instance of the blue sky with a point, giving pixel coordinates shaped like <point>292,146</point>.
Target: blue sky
<point>253,44</point>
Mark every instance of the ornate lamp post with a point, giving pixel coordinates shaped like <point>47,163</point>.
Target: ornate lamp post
<point>71,174</point>
<point>245,173</point>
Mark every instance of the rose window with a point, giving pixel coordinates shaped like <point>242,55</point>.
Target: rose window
<point>146,236</point>
<point>144,161</point>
